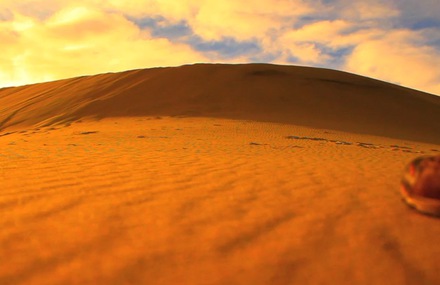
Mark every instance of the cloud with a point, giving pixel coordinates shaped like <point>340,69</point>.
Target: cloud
<point>80,40</point>
<point>368,10</point>
<point>304,43</point>
<point>37,9</point>
<point>214,20</point>
<point>173,11</point>
<point>246,20</point>
<point>50,39</point>
<point>363,42</point>
<point>398,58</point>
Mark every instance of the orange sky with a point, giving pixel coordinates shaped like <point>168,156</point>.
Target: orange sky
<point>395,40</point>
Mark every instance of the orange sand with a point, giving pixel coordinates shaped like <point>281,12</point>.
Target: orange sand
<point>208,201</point>
<point>238,193</point>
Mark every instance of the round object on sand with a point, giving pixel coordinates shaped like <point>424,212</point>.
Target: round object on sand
<point>421,185</point>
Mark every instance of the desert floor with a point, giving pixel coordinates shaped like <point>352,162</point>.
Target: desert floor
<point>177,200</point>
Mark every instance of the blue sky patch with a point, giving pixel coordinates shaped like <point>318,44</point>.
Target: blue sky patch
<point>226,48</point>
<point>173,31</point>
<point>147,22</point>
<point>265,57</point>
<point>293,59</point>
<point>161,29</point>
<point>181,32</point>
<point>425,23</point>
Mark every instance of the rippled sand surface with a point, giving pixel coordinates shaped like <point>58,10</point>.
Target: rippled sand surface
<point>173,200</point>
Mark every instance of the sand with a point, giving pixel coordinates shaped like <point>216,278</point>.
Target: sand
<point>206,200</point>
<point>295,95</point>
<point>209,201</point>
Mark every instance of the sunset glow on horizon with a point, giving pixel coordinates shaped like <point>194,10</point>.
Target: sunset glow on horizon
<point>396,41</point>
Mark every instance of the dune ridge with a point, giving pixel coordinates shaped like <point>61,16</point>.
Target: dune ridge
<point>305,96</point>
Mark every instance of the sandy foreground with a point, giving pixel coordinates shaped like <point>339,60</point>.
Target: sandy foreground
<point>180,200</point>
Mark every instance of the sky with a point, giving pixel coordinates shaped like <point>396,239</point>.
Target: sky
<point>392,40</point>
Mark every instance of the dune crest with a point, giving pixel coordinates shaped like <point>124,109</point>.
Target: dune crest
<point>305,96</point>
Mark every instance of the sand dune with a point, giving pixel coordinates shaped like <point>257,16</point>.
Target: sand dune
<point>284,94</point>
<point>214,174</point>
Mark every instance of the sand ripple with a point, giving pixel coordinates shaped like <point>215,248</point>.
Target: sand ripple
<point>208,201</point>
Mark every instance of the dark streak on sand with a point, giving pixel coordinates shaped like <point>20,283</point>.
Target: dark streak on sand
<point>267,72</point>
<point>257,231</point>
<point>89,132</point>
<point>360,144</point>
<point>6,134</point>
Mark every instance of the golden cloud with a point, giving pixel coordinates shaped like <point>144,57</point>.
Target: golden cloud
<point>301,43</point>
<point>246,20</point>
<point>213,20</point>
<point>396,58</point>
<point>49,39</point>
<point>171,10</point>
<point>80,40</point>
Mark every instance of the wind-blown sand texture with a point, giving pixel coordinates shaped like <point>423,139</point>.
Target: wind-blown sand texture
<point>214,174</point>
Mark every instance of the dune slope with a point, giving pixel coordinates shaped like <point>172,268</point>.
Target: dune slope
<point>285,94</point>
<point>214,174</point>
